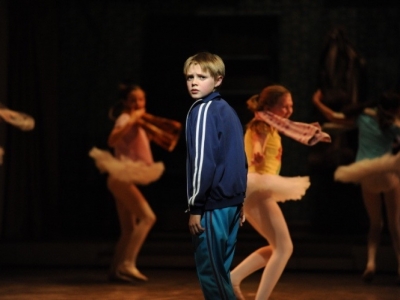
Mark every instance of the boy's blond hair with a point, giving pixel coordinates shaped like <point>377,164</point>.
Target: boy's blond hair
<point>209,62</point>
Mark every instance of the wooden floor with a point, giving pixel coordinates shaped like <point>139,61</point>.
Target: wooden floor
<point>168,284</point>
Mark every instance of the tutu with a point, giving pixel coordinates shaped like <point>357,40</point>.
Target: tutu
<point>275,187</point>
<point>124,169</point>
<point>377,175</point>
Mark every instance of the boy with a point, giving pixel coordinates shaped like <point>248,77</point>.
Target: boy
<point>216,175</point>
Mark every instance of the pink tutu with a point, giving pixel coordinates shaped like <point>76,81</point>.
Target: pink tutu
<point>124,169</point>
<point>275,187</point>
<point>379,174</point>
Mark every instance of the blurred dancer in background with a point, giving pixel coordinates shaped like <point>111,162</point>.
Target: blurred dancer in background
<point>132,165</point>
<point>377,166</point>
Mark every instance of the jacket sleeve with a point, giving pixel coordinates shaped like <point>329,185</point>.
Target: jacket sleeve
<point>202,156</point>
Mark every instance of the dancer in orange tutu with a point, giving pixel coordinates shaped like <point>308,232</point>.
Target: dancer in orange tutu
<point>265,187</point>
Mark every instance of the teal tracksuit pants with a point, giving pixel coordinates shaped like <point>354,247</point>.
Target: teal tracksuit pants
<point>214,251</point>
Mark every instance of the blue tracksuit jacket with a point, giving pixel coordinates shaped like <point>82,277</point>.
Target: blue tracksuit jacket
<point>216,161</point>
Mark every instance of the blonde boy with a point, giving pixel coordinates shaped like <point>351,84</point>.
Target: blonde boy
<point>216,175</point>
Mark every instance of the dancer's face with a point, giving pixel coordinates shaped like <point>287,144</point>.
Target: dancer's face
<point>200,83</point>
<point>136,99</point>
<point>284,107</point>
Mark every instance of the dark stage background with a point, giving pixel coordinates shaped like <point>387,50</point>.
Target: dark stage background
<point>61,61</point>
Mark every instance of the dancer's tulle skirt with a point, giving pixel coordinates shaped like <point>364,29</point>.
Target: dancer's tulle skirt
<point>275,188</point>
<point>379,174</point>
<point>124,169</point>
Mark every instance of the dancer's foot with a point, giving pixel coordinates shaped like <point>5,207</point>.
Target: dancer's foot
<point>132,273</point>
<point>236,286</point>
<point>238,292</point>
<point>119,278</point>
<point>368,275</point>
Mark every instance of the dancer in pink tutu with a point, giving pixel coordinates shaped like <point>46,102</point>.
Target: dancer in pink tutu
<point>132,164</point>
<point>265,187</point>
<point>376,169</point>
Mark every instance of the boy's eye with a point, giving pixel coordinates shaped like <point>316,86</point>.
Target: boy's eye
<point>190,77</point>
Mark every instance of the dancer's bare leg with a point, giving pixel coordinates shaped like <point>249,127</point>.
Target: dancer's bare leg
<point>373,205</point>
<point>136,219</point>
<point>255,261</point>
<point>123,218</point>
<point>267,218</point>
<point>274,227</point>
<point>392,202</point>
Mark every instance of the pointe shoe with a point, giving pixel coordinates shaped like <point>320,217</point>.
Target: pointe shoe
<point>238,292</point>
<point>368,275</point>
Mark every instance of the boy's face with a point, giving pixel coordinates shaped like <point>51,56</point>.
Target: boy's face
<point>200,83</point>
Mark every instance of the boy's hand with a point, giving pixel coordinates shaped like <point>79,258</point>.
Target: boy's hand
<point>194,225</point>
<point>242,217</point>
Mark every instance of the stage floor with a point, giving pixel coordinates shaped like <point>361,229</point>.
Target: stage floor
<point>181,284</point>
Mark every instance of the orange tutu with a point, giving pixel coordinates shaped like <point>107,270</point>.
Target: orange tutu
<point>275,187</point>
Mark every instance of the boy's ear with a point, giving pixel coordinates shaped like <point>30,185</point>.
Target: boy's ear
<point>218,81</point>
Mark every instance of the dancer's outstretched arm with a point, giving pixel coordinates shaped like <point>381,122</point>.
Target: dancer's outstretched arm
<point>329,114</point>
<point>17,119</point>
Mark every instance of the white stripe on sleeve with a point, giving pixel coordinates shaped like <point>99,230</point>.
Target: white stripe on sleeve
<point>199,148</point>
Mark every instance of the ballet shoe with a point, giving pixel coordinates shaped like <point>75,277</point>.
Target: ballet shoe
<point>368,275</point>
<point>238,292</point>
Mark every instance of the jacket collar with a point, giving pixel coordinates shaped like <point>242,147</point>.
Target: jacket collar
<point>209,97</point>
<point>212,96</point>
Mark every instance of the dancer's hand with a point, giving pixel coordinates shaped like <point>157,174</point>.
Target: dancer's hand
<point>195,225</point>
<point>18,119</point>
<point>137,113</point>
<point>316,99</point>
